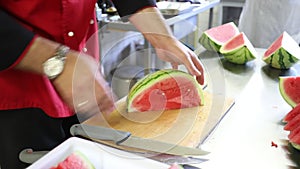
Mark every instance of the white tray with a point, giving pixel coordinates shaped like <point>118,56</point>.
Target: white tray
<point>101,156</point>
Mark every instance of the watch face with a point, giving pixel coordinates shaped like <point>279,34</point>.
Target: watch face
<point>53,67</point>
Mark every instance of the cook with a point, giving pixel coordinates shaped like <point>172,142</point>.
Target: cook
<point>49,68</point>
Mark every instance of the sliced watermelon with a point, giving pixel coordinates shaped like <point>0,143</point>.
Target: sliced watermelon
<point>283,53</point>
<point>289,87</point>
<point>293,123</point>
<point>292,114</point>
<point>294,137</point>
<point>294,132</point>
<point>164,90</point>
<point>213,38</point>
<point>238,49</point>
<point>76,160</point>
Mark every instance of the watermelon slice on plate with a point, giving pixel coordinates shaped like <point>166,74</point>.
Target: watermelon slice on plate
<point>213,38</point>
<point>165,90</point>
<point>238,49</point>
<point>76,160</point>
<point>283,53</point>
<point>289,87</point>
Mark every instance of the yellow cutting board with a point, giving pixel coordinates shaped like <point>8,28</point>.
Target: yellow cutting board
<point>186,127</point>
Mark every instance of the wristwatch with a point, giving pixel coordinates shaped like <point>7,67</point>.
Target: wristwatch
<point>55,65</point>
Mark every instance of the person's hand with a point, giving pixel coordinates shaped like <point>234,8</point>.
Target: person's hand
<point>151,24</point>
<point>82,86</point>
<point>173,51</point>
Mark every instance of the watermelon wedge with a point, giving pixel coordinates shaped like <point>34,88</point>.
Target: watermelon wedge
<point>289,87</point>
<point>164,90</point>
<point>238,49</point>
<point>292,114</point>
<point>213,38</point>
<point>294,137</point>
<point>293,123</point>
<point>76,160</point>
<point>283,53</point>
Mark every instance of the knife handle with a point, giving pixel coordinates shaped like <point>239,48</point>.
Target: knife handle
<point>100,133</point>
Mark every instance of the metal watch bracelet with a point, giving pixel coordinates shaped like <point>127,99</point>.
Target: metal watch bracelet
<point>55,65</point>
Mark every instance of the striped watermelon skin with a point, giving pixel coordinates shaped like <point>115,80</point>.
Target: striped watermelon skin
<point>208,43</point>
<point>213,38</point>
<point>239,56</point>
<point>281,59</point>
<point>238,50</point>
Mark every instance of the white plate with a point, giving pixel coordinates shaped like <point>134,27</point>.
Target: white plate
<point>101,156</point>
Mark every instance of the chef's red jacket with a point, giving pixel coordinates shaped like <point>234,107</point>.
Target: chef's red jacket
<point>72,23</point>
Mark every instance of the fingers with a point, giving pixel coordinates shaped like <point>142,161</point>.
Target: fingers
<point>174,65</point>
<point>194,66</point>
<point>199,67</point>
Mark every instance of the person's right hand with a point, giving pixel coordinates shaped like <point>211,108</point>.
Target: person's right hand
<point>82,86</point>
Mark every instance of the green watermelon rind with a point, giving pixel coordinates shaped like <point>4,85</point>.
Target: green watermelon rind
<point>242,52</point>
<point>88,163</point>
<point>153,78</point>
<point>283,93</point>
<point>295,145</point>
<point>281,59</point>
<point>145,80</point>
<point>209,44</point>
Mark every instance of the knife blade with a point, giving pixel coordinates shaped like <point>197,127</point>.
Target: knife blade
<point>123,138</point>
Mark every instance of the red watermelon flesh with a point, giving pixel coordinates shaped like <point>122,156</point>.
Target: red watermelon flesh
<point>166,89</point>
<point>292,114</point>
<point>290,89</point>
<point>76,160</point>
<point>294,133</point>
<point>293,123</point>
<point>276,45</point>
<point>233,44</point>
<point>284,41</point>
<point>168,94</point>
<point>223,32</point>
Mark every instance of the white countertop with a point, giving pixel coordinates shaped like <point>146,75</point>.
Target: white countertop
<point>243,138</point>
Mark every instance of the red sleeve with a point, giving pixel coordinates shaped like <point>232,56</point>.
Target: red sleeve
<point>14,40</point>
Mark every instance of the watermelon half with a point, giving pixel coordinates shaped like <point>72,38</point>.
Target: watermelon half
<point>238,49</point>
<point>283,52</point>
<point>76,160</point>
<point>289,87</point>
<point>213,38</point>
<point>164,90</point>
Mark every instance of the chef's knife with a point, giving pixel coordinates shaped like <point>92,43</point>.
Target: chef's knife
<point>123,138</point>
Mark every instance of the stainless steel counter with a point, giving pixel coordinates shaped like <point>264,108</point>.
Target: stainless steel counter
<point>243,138</point>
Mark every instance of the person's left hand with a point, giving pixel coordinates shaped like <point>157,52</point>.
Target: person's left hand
<point>173,51</point>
